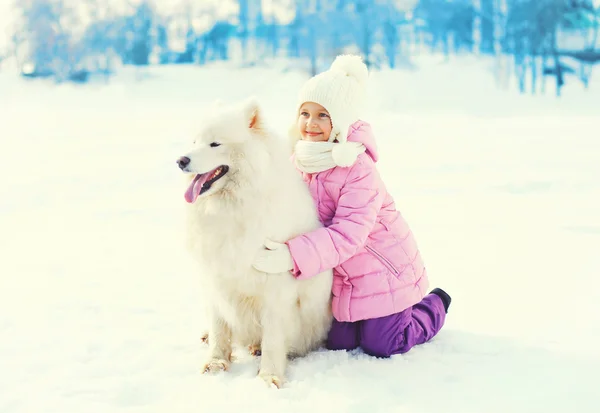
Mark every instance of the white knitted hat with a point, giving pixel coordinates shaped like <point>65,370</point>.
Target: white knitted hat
<point>341,90</point>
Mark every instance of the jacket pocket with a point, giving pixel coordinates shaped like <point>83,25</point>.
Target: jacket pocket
<point>383,260</point>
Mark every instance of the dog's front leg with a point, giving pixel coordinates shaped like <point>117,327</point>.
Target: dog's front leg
<point>273,349</point>
<point>219,345</point>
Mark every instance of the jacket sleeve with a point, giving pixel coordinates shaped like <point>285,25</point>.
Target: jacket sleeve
<point>357,208</point>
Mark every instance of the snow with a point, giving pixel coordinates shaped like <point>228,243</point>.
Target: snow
<point>101,310</point>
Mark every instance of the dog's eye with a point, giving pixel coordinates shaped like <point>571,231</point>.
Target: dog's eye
<point>214,144</point>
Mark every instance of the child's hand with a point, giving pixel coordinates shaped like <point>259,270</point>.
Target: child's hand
<point>273,258</point>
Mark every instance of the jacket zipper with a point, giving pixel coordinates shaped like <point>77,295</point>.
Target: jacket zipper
<point>383,260</point>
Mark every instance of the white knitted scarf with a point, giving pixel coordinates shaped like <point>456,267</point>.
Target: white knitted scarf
<point>313,157</point>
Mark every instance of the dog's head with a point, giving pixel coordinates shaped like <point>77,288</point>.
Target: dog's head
<point>221,147</point>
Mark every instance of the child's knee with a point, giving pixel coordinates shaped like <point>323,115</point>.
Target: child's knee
<point>337,344</point>
<point>384,337</point>
<point>376,345</point>
<point>342,336</point>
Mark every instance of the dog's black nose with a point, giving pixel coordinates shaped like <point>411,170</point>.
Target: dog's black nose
<point>183,162</point>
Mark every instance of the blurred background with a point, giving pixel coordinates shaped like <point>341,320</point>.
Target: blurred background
<point>535,46</point>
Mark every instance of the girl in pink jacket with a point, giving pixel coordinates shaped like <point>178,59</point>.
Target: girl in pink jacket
<point>379,289</point>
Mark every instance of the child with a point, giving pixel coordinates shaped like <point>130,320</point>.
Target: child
<point>379,300</point>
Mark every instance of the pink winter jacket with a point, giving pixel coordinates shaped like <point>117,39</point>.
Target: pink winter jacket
<point>377,266</point>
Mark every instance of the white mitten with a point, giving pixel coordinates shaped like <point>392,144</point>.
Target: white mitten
<point>274,258</point>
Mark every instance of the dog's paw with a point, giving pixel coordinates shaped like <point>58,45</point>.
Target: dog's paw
<point>272,380</point>
<point>254,349</point>
<point>204,338</point>
<point>215,366</point>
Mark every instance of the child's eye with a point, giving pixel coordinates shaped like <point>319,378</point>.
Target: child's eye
<point>324,115</point>
<point>214,144</point>
<point>305,114</point>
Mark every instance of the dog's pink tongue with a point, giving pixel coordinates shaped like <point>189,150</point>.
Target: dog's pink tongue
<point>193,191</point>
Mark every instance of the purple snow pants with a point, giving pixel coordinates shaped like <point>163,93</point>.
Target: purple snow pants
<point>392,334</point>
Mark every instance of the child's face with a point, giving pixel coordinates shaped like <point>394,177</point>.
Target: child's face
<point>314,123</point>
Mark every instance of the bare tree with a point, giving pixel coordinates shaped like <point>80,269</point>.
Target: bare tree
<point>39,36</point>
<point>499,19</point>
<point>244,33</point>
<point>587,62</point>
<point>477,36</point>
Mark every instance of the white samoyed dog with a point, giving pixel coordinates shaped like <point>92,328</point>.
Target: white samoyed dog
<point>244,190</point>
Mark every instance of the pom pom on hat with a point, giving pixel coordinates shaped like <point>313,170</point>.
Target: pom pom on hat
<point>353,66</point>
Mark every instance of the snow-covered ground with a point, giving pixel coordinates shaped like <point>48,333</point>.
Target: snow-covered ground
<point>99,303</point>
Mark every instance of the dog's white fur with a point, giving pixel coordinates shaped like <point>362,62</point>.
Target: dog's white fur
<point>262,196</point>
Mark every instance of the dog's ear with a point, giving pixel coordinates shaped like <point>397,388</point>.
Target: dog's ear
<point>253,113</point>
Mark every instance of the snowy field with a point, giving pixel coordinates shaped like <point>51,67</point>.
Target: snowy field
<point>100,307</point>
